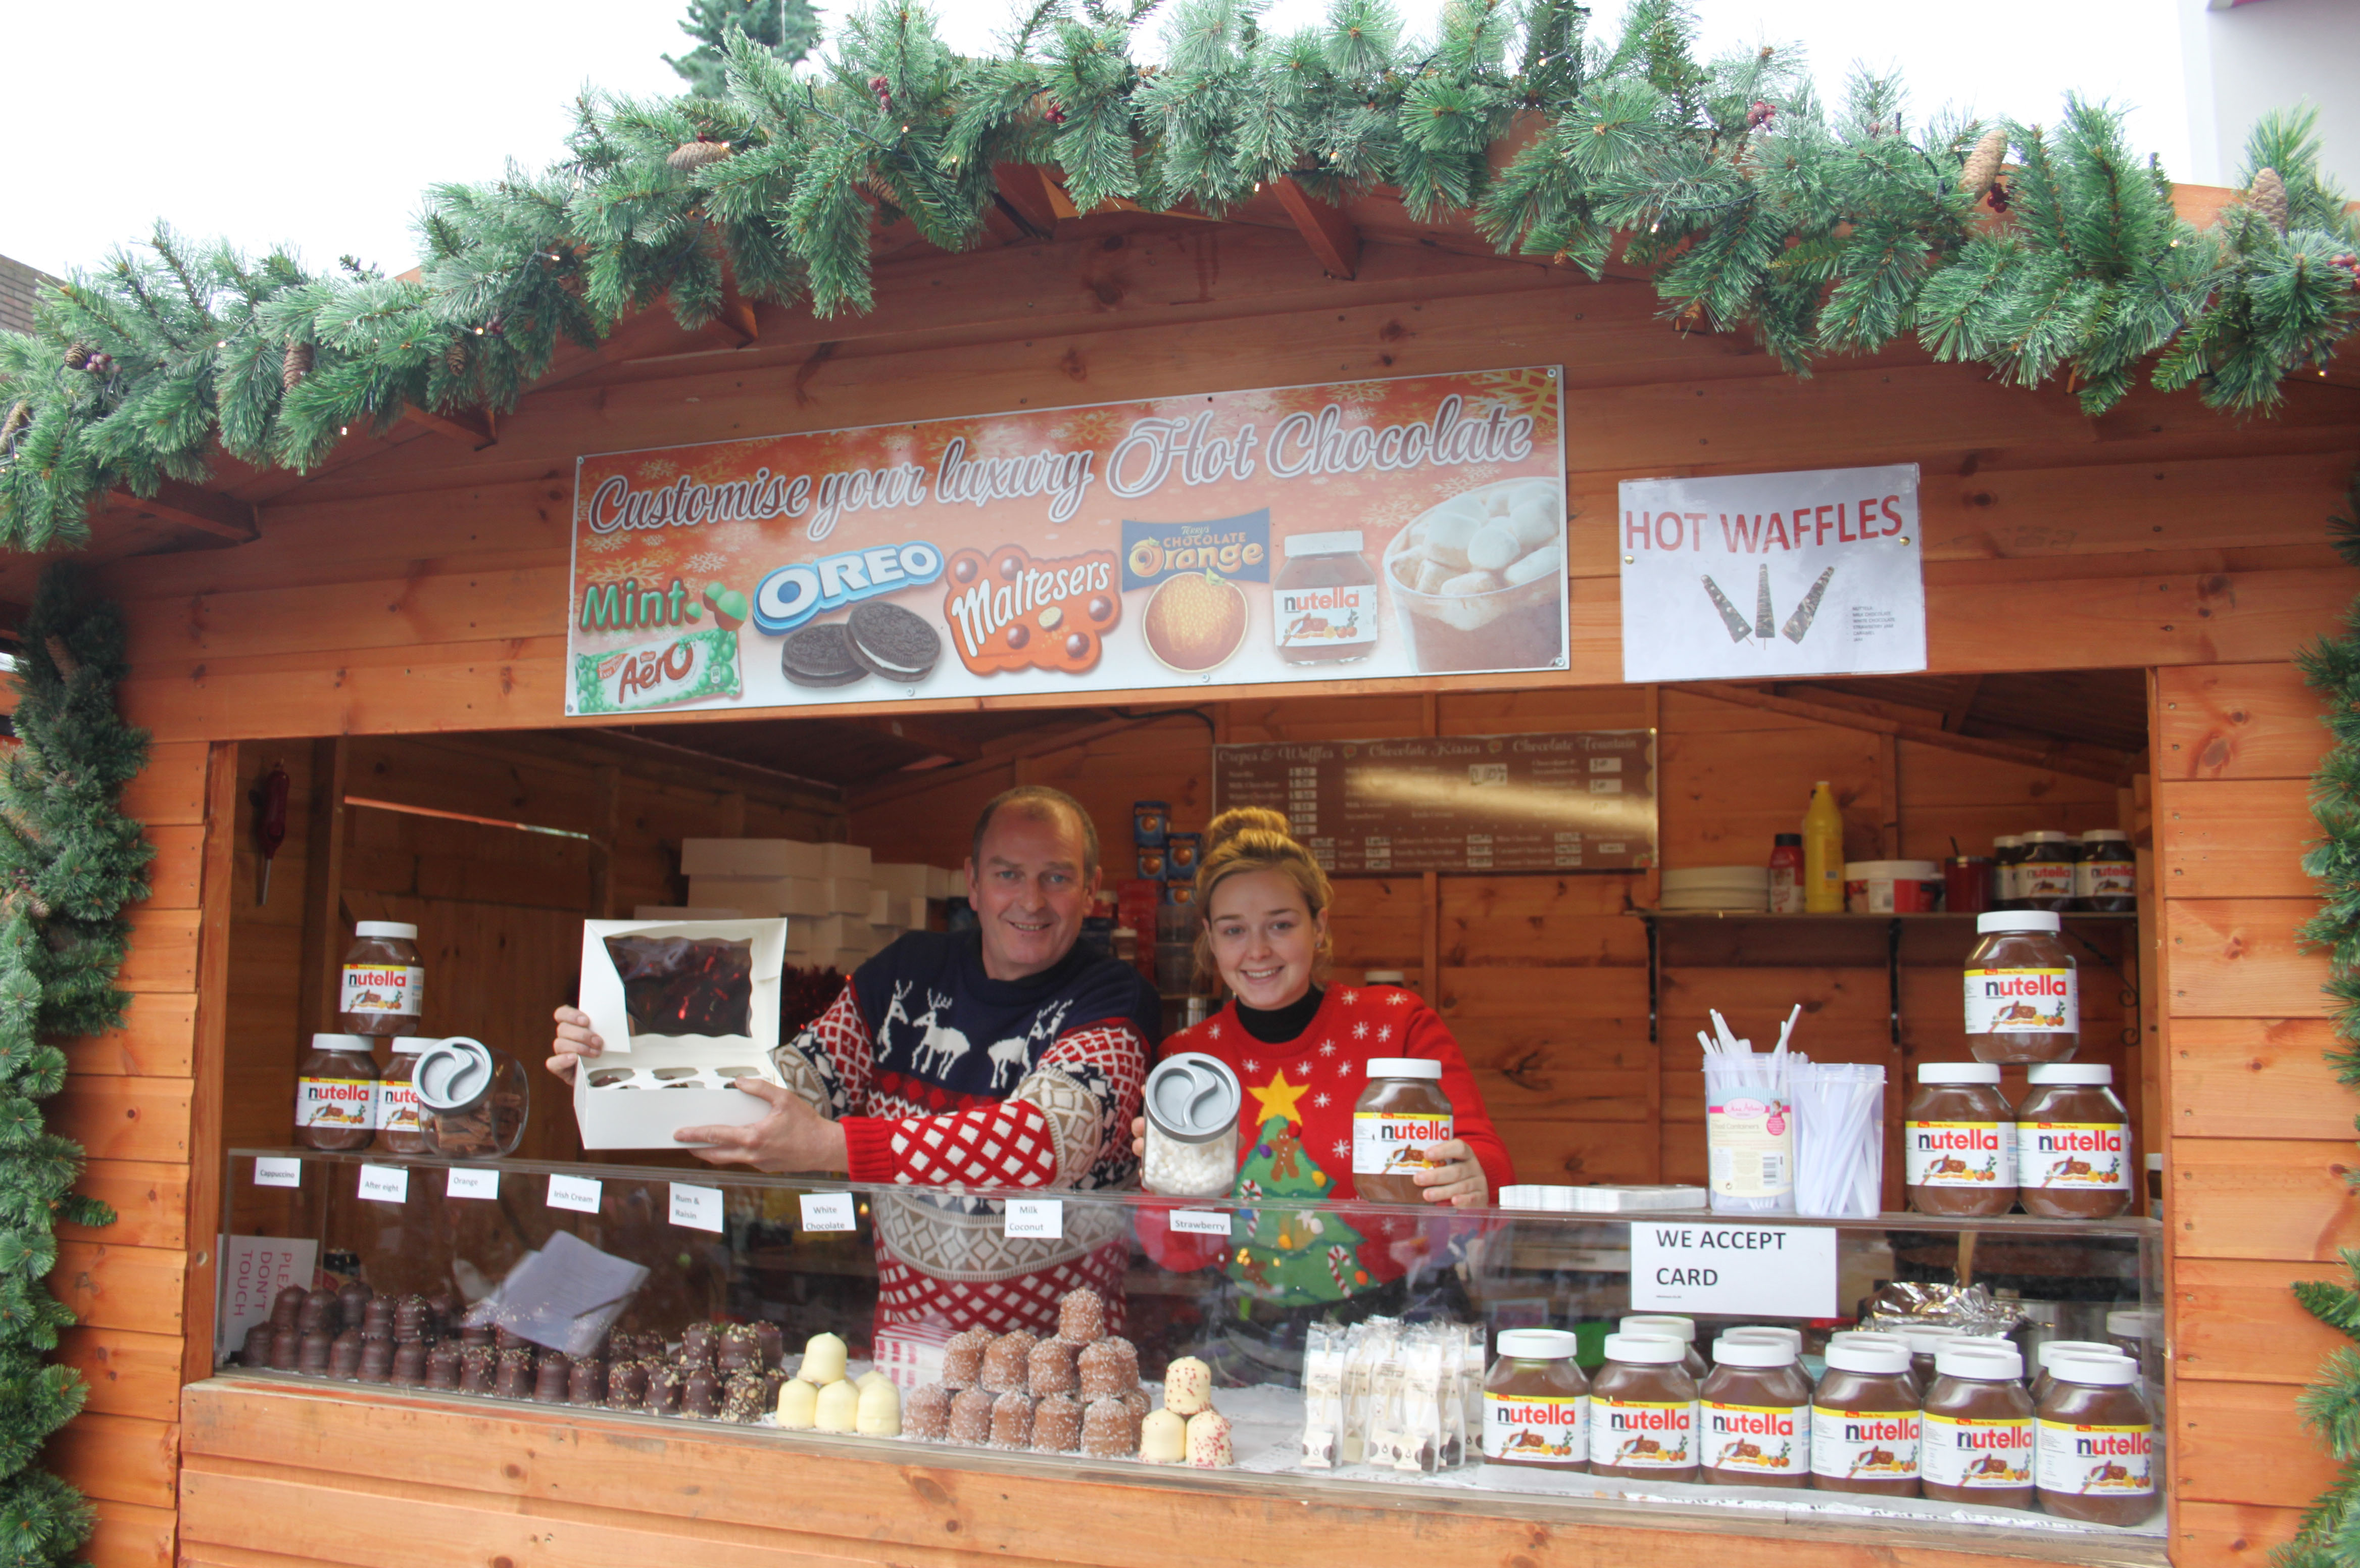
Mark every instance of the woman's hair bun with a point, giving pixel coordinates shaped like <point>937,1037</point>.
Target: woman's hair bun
<point>1240,820</point>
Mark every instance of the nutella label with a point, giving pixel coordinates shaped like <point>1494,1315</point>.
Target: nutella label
<point>1880,1445</point>
<point>2095,1462</point>
<point>1545,1429</point>
<point>1749,1147</point>
<point>397,1107</point>
<point>335,1103</point>
<point>378,988</point>
<point>2074,1157</point>
<point>1959,1154</point>
<point>1960,1451</point>
<point>2023,1001</point>
<point>1325,617</point>
<point>2105,878</point>
<point>2044,878</point>
<point>1637,1434</point>
<point>1769,1439</point>
<point>1391,1142</point>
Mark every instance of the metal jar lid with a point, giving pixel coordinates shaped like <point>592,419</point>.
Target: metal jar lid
<point>1193,1098</point>
<point>454,1074</point>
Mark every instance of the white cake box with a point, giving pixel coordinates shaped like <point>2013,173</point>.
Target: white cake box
<point>616,1099</point>
<point>752,858</point>
<point>844,860</point>
<point>906,879</point>
<point>687,911</point>
<point>761,896</point>
<point>847,896</point>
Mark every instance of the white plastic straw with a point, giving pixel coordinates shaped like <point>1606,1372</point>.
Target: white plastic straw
<point>1839,1139</point>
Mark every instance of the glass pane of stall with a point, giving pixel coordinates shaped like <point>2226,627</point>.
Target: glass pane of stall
<point>1272,1343</point>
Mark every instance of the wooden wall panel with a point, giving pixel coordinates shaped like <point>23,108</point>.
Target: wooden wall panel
<point>2258,1078</point>
<point>2238,958</point>
<point>2229,839</point>
<point>2230,1444</point>
<point>128,1373</point>
<point>2236,721</point>
<point>120,1459</point>
<point>2229,1535</point>
<point>2239,1320</point>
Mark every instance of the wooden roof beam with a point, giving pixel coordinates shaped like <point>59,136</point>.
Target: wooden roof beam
<point>1328,230</point>
<point>918,733</point>
<point>2083,765</point>
<point>474,426</point>
<point>224,517</point>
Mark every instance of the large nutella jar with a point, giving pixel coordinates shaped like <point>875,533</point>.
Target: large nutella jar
<point>1324,601</point>
<point>2023,998</point>
<point>1643,1411</point>
<point>1753,1416</point>
<point>1865,1421</point>
<point>397,1131</point>
<point>1401,1114</point>
<point>336,1094</point>
<point>1536,1403</point>
<point>2051,1350</point>
<point>2105,876</point>
<point>1958,1141</point>
<point>2044,878</point>
<point>2072,1144</point>
<point>1977,1440</point>
<point>2094,1442</point>
<point>384,988</point>
<point>1886,1339</point>
<point>1669,1327</point>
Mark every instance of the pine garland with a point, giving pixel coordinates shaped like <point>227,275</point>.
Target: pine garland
<point>68,863</point>
<point>1820,230</point>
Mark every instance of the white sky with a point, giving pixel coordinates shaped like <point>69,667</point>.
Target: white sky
<point>266,121</point>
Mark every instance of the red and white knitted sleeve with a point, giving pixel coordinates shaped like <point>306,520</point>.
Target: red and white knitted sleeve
<point>830,1064</point>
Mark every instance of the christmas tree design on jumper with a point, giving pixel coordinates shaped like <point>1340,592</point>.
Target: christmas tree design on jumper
<point>1286,1255</point>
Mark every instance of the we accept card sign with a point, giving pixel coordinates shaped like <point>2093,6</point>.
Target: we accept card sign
<point>1755,575</point>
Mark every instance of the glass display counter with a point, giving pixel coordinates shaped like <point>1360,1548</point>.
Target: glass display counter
<point>1334,1345</point>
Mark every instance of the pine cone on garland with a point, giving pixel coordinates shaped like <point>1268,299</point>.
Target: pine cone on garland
<point>455,357</point>
<point>294,365</point>
<point>2268,197</point>
<point>691,156</point>
<point>77,358</point>
<point>1983,164</point>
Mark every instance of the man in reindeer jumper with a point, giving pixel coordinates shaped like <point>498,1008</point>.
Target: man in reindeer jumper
<point>1001,1057</point>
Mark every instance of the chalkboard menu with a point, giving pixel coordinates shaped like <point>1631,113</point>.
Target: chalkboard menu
<point>1580,802</point>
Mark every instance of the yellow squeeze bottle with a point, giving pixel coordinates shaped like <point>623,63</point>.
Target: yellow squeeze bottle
<point>1823,889</point>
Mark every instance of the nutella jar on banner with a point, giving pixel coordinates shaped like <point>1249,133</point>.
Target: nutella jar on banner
<point>1323,605</point>
<point>1958,1141</point>
<point>1643,1411</point>
<point>2105,878</point>
<point>1536,1403</point>
<point>1977,1437</point>
<point>383,989</point>
<point>1401,1114</point>
<point>1753,1415</point>
<point>1865,1421</point>
<point>2023,995</point>
<point>2094,1442</point>
<point>2074,1144</point>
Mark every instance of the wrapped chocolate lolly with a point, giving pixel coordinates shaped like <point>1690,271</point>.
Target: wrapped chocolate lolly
<point>680,985</point>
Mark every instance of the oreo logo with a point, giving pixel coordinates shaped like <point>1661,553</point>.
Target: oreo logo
<point>790,596</point>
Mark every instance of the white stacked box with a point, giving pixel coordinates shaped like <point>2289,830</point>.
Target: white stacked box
<point>788,895</point>
<point>903,879</point>
<point>880,906</point>
<point>844,860</point>
<point>850,959</point>
<point>818,936</point>
<point>684,912</point>
<point>754,858</point>
<point>946,882</point>
<point>847,896</point>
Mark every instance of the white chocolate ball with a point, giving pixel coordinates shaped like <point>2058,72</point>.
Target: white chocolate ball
<point>824,1358</point>
<point>1492,547</point>
<point>1163,1438</point>
<point>798,1404</point>
<point>839,1407</point>
<point>1208,1441</point>
<point>1187,1386</point>
<point>880,1409</point>
<point>871,1378</point>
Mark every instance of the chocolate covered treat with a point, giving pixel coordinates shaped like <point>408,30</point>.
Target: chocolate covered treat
<point>1134,1399</point>
<point>1011,1422</point>
<point>1208,1441</point>
<point>475,1334</point>
<point>697,1343</point>
<point>742,1400</point>
<point>971,1417</point>
<point>1008,1364</point>
<point>771,1341</point>
<point>963,1358</point>
<point>1056,1425</point>
<point>442,1365</point>
<point>344,1356</point>
<point>665,1385</point>
<point>377,1318</point>
<point>506,1338</point>
<point>586,1383</point>
<point>413,1323</point>
<point>927,1412</point>
<point>1081,1316</point>
<point>736,1350</point>
<point>286,1307</point>
<point>1187,1386</point>
<point>701,1394</point>
<point>478,1365</point>
<point>320,1313</point>
<point>774,1379</point>
<point>1108,1429</point>
<point>514,1379</point>
<point>256,1349</point>
<point>410,1364</point>
<point>312,1353</point>
<point>1052,1367</point>
<point>377,1360</point>
<point>351,1303</point>
<point>626,1386</point>
<point>442,1308</point>
<point>1109,1367</point>
<point>285,1349</point>
<point>551,1371</point>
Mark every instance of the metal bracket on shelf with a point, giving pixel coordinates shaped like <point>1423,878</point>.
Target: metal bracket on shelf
<point>1655,976</point>
<point>1893,976</point>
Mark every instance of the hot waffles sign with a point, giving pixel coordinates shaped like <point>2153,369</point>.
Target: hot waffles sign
<point>1356,529</point>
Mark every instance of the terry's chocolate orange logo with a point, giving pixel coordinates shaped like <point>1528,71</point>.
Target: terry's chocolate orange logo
<point>1008,611</point>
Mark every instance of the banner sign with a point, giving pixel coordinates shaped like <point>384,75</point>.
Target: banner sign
<point>1360,530</point>
<point>1772,576</point>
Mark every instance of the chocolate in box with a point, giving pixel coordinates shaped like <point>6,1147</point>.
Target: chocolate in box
<point>676,1002</point>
